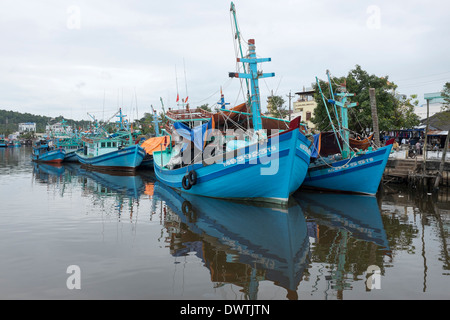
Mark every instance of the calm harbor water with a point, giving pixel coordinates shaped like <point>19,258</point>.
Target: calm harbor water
<point>130,237</point>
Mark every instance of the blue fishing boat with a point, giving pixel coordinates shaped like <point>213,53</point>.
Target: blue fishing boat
<point>250,164</point>
<point>46,151</point>
<point>116,151</point>
<point>3,143</point>
<point>69,141</point>
<point>335,165</point>
<point>223,227</point>
<point>158,142</point>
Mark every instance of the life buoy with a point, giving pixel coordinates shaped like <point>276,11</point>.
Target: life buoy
<point>186,183</point>
<point>192,175</point>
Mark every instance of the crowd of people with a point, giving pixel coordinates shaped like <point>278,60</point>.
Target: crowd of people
<point>418,145</point>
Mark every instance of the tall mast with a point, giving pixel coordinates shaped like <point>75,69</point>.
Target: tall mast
<point>238,38</point>
<point>253,75</point>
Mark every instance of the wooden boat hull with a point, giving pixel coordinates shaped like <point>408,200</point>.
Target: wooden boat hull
<point>360,174</point>
<point>269,173</point>
<point>52,156</point>
<point>124,159</point>
<point>71,155</point>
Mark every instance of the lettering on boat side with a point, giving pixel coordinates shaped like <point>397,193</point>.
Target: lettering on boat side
<point>250,156</point>
<point>237,309</point>
<point>306,149</point>
<point>350,165</point>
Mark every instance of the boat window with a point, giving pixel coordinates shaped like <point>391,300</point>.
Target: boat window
<point>103,144</point>
<point>108,144</point>
<point>114,144</point>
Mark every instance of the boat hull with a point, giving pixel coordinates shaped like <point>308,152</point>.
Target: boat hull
<point>267,173</point>
<point>52,156</point>
<point>71,156</point>
<point>124,159</point>
<point>361,174</point>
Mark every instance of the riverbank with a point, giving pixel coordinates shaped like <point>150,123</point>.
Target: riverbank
<point>402,169</point>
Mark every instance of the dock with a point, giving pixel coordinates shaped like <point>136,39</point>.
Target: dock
<point>411,171</point>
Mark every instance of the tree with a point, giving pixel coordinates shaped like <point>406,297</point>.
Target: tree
<point>205,107</point>
<point>446,95</point>
<point>394,111</point>
<point>275,106</point>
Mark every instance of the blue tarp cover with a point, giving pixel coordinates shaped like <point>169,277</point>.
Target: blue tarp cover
<point>197,134</point>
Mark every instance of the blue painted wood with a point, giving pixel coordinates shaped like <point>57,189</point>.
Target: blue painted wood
<point>270,173</point>
<point>125,158</point>
<point>360,174</point>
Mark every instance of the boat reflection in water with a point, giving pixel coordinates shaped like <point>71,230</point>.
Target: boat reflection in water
<point>240,243</point>
<point>48,173</point>
<point>348,235</point>
<point>125,183</point>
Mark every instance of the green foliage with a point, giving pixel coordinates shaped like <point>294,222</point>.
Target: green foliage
<point>9,121</point>
<point>446,95</point>
<point>276,107</point>
<point>394,112</point>
<point>205,107</point>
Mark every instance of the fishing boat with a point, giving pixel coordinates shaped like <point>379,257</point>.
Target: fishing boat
<point>336,163</point>
<point>17,143</point>
<point>116,151</point>
<point>250,164</point>
<point>158,142</point>
<point>69,141</point>
<point>3,143</point>
<point>46,151</point>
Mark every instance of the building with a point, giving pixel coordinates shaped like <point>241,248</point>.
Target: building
<point>436,102</point>
<point>27,127</point>
<point>57,128</point>
<point>304,106</point>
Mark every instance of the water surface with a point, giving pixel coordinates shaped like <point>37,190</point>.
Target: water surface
<point>133,238</point>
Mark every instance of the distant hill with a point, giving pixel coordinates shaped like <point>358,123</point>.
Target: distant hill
<point>9,121</point>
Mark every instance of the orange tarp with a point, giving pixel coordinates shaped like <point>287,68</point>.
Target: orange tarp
<point>154,144</point>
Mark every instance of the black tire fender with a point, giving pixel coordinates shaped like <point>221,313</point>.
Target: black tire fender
<point>192,176</point>
<point>186,184</point>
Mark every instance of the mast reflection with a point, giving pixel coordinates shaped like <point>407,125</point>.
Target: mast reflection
<point>240,243</point>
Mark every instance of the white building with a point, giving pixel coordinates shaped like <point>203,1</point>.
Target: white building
<point>57,128</point>
<point>27,126</point>
<point>435,105</point>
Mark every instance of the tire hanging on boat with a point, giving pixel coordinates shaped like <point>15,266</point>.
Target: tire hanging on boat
<point>186,184</point>
<point>192,176</point>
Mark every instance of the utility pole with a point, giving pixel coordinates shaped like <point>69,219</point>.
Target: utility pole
<point>373,106</point>
<point>290,96</point>
<point>424,152</point>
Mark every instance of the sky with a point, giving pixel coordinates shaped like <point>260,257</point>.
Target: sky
<point>88,58</point>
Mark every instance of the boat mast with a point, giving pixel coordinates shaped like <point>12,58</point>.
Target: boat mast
<point>156,122</point>
<point>253,75</point>
<point>237,36</point>
<point>344,105</point>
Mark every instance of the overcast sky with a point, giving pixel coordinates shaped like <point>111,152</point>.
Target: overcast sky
<point>73,57</point>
